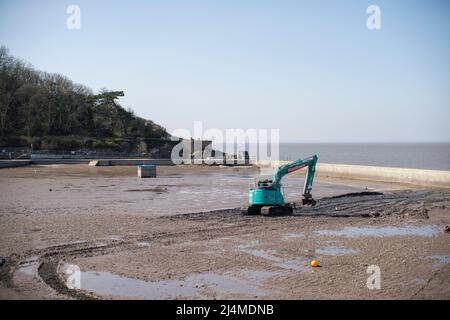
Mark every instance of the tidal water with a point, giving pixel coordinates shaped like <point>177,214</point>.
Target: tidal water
<point>403,155</point>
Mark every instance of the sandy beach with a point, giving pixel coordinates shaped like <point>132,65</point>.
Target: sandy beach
<point>181,235</point>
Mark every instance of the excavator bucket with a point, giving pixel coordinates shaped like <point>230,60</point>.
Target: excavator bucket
<point>308,202</point>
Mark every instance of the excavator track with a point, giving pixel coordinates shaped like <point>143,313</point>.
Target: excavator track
<point>276,210</point>
<point>251,211</point>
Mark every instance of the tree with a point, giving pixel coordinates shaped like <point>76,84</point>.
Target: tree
<point>36,104</point>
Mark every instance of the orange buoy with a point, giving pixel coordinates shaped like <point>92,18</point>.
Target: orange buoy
<point>314,263</point>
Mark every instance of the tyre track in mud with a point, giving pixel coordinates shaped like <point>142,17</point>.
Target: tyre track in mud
<point>50,258</point>
<point>353,205</point>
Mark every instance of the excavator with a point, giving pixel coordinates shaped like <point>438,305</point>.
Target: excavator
<point>266,198</point>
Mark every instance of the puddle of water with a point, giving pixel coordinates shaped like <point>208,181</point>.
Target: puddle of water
<point>259,275</point>
<point>143,244</point>
<point>226,284</point>
<point>115,238</point>
<point>295,265</point>
<point>156,189</point>
<point>335,251</point>
<point>420,281</point>
<point>265,254</point>
<point>289,236</point>
<point>191,192</point>
<point>270,255</point>
<point>105,283</point>
<point>439,261</point>
<point>29,268</point>
<point>249,244</point>
<point>386,231</point>
<point>72,243</point>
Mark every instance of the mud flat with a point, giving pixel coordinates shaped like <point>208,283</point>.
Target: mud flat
<point>181,236</point>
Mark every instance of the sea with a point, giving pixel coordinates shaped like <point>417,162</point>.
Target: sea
<point>434,156</point>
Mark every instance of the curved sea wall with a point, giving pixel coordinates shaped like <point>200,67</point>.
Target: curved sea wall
<point>422,177</point>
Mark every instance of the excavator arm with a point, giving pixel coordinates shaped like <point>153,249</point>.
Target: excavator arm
<point>297,165</point>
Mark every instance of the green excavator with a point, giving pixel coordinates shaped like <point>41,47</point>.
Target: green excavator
<point>266,198</point>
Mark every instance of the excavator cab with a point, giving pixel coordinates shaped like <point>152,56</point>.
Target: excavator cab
<point>266,183</point>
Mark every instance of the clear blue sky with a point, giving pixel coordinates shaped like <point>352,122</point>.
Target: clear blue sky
<point>310,68</point>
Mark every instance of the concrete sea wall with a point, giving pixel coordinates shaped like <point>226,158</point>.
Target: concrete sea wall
<point>422,177</point>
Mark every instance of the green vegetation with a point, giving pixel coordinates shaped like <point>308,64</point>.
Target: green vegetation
<point>54,113</point>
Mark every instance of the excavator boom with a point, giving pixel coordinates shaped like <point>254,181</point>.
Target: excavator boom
<point>297,165</point>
